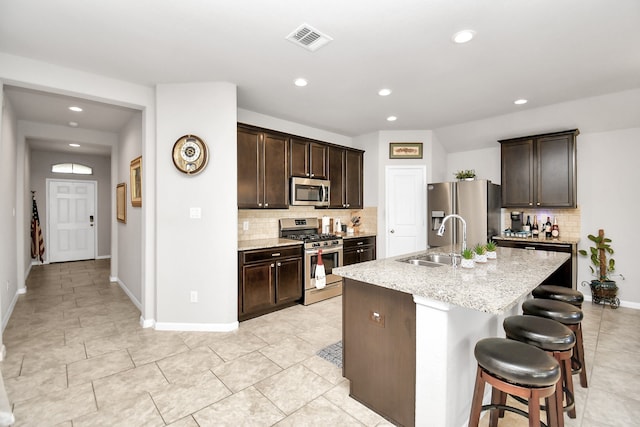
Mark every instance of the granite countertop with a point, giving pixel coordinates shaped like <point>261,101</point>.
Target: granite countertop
<point>492,287</point>
<point>247,245</point>
<point>563,240</point>
<point>355,235</point>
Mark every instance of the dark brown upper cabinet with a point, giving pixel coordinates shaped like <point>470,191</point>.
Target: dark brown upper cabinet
<point>308,159</point>
<point>539,171</point>
<point>345,174</point>
<point>263,176</point>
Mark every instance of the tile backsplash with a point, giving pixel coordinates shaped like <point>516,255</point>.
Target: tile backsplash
<point>263,223</point>
<point>568,219</point>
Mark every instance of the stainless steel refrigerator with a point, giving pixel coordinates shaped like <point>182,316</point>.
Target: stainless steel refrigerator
<point>478,202</point>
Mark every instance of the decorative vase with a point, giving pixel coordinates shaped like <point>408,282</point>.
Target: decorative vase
<point>466,263</point>
<point>480,258</point>
<point>492,255</point>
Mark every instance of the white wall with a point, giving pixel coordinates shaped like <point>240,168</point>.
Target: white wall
<point>197,254</point>
<point>41,162</point>
<point>8,173</point>
<point>486,163</point>
<point>128,259</point>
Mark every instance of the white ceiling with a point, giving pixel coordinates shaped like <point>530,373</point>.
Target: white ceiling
<point>547,51</point>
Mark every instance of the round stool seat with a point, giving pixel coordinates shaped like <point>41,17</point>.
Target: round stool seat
<point>546,334</point>
<point>559,311</point>
<point>559,293</point>
<point>517,362</point>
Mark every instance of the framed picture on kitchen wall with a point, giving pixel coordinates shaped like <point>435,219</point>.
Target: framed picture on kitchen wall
<point>121,202</point>
<point>136,182</point>
<point>405,150</point>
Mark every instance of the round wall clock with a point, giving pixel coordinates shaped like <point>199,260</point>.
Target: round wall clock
<point>190,154</point>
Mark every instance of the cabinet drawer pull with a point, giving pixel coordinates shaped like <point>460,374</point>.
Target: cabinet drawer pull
<point>276,254</point>
<point>530,248</point>
<point>360,243</point>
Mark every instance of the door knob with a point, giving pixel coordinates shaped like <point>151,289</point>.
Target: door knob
<point>392,231</point>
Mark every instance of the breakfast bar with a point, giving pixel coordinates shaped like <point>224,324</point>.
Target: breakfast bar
<point>409,330</point>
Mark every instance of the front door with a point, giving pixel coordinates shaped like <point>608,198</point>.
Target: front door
<point>406,207</point>
<point>71,220</point>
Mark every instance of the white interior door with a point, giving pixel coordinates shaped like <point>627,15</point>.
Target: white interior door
<point>71,220</point>
<point>406,207</point>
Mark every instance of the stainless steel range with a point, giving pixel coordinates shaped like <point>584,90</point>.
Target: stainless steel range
<point>306,229</point>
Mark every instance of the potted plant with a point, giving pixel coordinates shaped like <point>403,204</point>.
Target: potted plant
<point>480,253</point>
<point>491,250</point>
<point>602,288</point>
<point>468,175</point>
<point>467,258</point>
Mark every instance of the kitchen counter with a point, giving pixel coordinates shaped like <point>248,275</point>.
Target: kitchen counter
<point>247,245</point>
<point>563,240</point>
<point>493,287</point>
<point>417,327</point>
<point>346,236</point>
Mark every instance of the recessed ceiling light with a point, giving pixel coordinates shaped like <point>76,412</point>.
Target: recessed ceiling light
<point>73,124</point>
<point>520,101</point>
<point>75,108</point>
<point>74,145</point>
<point>300,82</point>
<point>384,92</point>
<point>463,36</point>
<point>392,118</point>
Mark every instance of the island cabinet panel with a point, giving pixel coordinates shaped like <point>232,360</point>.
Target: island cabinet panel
<point>539,171</point>
<point>268,280</point>
<point>379,349</point>
<point>346,176</point>
<point>263,180</point>
<point>308,159</point>
<point>359,249</point>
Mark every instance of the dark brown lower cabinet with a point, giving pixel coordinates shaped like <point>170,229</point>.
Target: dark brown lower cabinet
<point>567,274</point>
<point>359,249</point>
<point>268,280</point>
<point>379,349</point>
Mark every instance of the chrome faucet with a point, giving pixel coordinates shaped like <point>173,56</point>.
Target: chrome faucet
<point>442,229</point>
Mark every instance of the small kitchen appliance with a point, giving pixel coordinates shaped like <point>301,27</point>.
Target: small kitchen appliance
<point>306,230</point>
<point>516,221</point>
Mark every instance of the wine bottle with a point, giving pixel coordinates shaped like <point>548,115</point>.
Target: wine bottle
<point>535,231</point>
<point>555,230</point>
<point>547,228</point>
<point>527,225</point>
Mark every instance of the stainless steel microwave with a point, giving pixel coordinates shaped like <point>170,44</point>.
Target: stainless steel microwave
<point>309,192</point>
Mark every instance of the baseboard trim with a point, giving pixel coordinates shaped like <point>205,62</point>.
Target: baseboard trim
<point>126,290</point>
<point>104,257</point>
<point>197,327</point>
<point>147,323</point>
<point>626,304</point>
<point>7,315</point>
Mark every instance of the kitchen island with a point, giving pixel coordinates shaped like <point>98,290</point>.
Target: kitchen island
<point>409,330</point>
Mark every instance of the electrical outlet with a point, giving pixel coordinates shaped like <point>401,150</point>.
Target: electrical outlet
<point>245,225</point>
<point>194,296</point>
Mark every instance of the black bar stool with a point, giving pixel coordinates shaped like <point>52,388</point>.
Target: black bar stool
<point>559,293</point>
<point>518,369</point>
<point>568,315</point>
<point>558,341</point>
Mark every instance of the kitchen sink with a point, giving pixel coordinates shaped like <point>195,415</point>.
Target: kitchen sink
<point>432,260</point>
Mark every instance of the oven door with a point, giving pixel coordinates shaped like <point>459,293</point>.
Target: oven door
<point>331,258</point>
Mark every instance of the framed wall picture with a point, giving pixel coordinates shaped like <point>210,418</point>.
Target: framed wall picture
<point>121,202</point>
<point>136,182</point>
<point>405,150</point>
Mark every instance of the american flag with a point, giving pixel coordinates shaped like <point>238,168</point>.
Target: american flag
<point>37,240</point>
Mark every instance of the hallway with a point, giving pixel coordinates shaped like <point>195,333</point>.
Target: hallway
<point>77,356</point>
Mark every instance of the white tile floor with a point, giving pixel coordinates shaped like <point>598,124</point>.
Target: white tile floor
<point>76,356</point>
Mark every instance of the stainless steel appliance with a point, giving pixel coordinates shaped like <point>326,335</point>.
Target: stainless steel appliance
<point>478,202</point>
<point>306,229</point>
<point>309,192</point>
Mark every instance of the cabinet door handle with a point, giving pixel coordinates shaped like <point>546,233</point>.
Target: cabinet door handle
<point>260,204</point>
<point>275,254</point>
<point>279,264</point>
<point>530,204</point>
<point>273,265</point>
<point>538,203</point>
<point>266,205</point>
<point>312,175</point>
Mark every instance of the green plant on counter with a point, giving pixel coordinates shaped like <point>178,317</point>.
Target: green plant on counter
<point>465,174</point>
<point>467,254</point>
<point>491,246</point>
<point>598,255</point>
<point>480,249</point>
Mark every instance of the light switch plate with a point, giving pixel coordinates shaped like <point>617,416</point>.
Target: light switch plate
<point>195,213</point>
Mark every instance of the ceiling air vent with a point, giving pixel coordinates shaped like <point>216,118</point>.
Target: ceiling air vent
<point>308,37</point>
